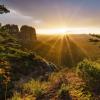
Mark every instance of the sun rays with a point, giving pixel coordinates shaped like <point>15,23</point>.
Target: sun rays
<point>62,50</point>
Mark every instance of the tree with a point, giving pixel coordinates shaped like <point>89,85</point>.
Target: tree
<point>3,9</point>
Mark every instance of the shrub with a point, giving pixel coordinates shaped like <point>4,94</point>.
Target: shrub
<point>36,88</point>
<point>5,79</point>
<point>16,97</point>
<point>63,93</point>
<point>90,72</point>
<point>55,77</point>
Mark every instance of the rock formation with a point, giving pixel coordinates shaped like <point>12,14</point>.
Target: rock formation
<point>26,35</point>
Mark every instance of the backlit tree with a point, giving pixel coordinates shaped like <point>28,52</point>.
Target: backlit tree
<point>3,9</point>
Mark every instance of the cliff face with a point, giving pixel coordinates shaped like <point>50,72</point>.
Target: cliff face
<point>12,29</point>
<point>26,35</point>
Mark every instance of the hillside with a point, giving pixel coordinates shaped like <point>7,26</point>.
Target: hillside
<point>16,63</point>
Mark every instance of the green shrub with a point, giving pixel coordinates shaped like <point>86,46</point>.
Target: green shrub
<point>16,97</point>
<point>5,80</point>
<point>63,93</point>
<point>36,88</point>
<point>55,76</point>
<point>90,72</point>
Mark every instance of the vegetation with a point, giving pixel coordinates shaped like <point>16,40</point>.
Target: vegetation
<point>3,9</point>
<point>63,93</point>
<point>94,40</point>
<point>36,88</point>
<point>90,72</point>
<point>95,35</point>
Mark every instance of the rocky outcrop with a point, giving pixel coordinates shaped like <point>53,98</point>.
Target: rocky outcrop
<point>27,34</point>
<point>31,65</point>
<point>12,29</point>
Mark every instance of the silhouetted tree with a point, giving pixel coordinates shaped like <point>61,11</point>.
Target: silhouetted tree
<point>3,9</point>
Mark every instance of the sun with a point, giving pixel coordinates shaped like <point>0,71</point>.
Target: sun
<point>59,31</point>
<point>56,31</point>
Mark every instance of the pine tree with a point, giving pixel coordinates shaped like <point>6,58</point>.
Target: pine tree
<point>3,9</point>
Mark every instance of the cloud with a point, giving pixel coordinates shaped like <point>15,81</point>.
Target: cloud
<point>15,17</point>
<point>51,13</point>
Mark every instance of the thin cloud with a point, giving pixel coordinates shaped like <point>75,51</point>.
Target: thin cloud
<point>57,12</point>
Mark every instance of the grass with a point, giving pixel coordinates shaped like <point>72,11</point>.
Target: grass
<point>16,97</point>
<point>35,88</point>
<point>63,92</point>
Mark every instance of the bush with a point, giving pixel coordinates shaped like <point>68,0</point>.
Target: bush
<point>5,80</point>
<point>35,88</point>
<point>63,93</point>
<point>16,97</point>
<point>90,72</point>
<point>55,77</point>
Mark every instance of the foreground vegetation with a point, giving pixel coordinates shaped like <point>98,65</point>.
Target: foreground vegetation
<point>68,84</point>
<point>26,76</point>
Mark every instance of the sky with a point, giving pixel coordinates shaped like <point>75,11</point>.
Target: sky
<point>54,15</point>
